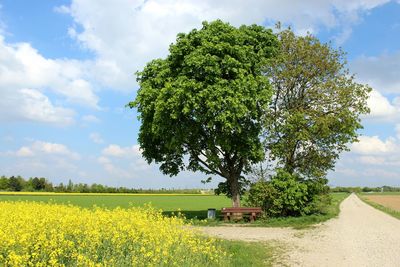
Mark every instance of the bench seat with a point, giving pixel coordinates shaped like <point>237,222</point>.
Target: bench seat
<point>230,213</point>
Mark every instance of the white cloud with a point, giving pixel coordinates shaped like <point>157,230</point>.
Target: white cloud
<point>372,145</point>
<point>116,171</point>
<point>122,161</point>
<point>398,131</point>
<point>118,151</point>
<point>80,91</point>
<point>372,160</point>
<point>43,159</point>
<point>346,171</point>
<point>26,76</point>
<point>342,37</point>
<point>391,160</point>
<point>114,151</point>
<point>375,162</point>
<point>125,34</point>
<point>96,137</point>
<point>32,105</point>
<point>90,118</point>
<point>24,67</point>
<point>41,148</point>
<point>380,173</point>
<point>381,108</point>
<point>103,160</point>
<point>24,152</point>
<point>112,169</point>
<point>54,149</point>
<point>381,72</point>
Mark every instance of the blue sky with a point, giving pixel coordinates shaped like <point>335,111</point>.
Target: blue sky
<point>67,71</point>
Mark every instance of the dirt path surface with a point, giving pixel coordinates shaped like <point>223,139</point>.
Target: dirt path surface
<point>360,236</point>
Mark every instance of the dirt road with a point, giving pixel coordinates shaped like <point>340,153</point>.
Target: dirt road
<point>360,236</point>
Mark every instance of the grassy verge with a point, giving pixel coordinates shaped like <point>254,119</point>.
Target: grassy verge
<point>295,222</point>
<point>380,207</point>
<point>249,253</point>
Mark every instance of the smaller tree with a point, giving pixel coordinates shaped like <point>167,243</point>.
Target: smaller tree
<point>14,184</point>
<point>70,186</point>
<point>60,188</point>
<point>4,185</point>
<point>48,187</point>
<point>38,184</point>
<point>288,194</point>
<point>316,107</point>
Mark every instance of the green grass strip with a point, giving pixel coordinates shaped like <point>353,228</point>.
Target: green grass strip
<point>250,253</point>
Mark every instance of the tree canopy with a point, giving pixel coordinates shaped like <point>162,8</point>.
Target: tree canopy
<point>316,107</point>
<point>224,97</point>
<point>201,107</point>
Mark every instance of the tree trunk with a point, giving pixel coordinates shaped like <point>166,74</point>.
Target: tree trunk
<point>235,191</point>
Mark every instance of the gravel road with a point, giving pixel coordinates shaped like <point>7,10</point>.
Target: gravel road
<point>360,236</point>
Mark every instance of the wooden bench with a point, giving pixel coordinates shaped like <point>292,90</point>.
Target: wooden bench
<point>237,213</point>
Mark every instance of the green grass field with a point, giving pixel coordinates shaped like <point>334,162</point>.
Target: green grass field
<point>190,205</point>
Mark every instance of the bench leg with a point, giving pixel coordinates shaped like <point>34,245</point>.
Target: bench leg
<point>252,217</point>
<point>226,216</point>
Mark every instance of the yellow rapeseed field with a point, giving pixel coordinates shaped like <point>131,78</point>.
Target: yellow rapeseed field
<point>5,193</point>
<point>43,234</point>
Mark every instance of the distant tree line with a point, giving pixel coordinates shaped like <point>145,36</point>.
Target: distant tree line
<point>36,184</point>
<point>359,189</point>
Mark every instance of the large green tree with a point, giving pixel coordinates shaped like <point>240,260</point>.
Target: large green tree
<point>316,107</point>
<point>201,107</point>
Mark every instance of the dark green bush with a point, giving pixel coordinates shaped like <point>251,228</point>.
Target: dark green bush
<point>289,195</point>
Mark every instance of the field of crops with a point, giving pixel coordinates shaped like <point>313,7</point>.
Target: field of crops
<point>39,234</point>
<point>391,201</point>
<point>190,205</point>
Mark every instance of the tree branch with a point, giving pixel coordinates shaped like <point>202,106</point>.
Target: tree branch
<point>208,166</point>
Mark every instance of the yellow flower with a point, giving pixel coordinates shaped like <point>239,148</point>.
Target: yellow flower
<point>43,234</point>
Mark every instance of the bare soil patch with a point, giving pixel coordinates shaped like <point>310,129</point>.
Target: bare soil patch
<point>389,201</point>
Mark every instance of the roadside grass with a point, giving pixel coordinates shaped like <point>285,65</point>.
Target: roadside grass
<point>250,253</point>
<point>380,207</point>
<point>295,222</point>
